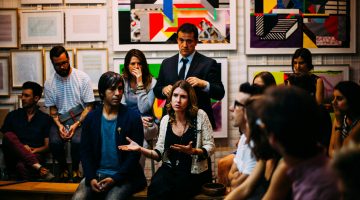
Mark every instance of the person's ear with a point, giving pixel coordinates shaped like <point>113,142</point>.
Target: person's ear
<point>36,98</point>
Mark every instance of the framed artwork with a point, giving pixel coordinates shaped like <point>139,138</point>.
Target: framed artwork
<point>219,107</point>
<point>331,75</point>
<point>149,26</point>
<point>9,33</point>
<point>85,1</point>
<point>88,24</point>
<point>5,108</point>
<point>48,66</point>
<point>5,77</point>
<point>42,27</point>
<point>93,62</point>
<point>41,1</point>
<point>280,27</point>
<point>26,65</point>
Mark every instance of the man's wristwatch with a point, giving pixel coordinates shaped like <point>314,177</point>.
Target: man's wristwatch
<point>79,123</point>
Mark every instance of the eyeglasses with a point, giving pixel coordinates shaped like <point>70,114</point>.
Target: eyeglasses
<point>60,64</point>
<point>238,104</point>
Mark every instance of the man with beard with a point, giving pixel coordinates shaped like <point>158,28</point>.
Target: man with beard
<point>26,136</point>
<point>70,97</point>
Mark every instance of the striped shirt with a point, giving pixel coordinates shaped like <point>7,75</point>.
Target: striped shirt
<point>68,92</point>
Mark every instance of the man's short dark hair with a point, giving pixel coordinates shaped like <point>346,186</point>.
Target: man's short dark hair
<point>108,80</point>
<point>35,87</point>
<point>189,28</point>
<point>56,51</point>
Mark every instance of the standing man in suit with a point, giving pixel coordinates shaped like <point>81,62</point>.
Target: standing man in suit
<point>200,71</point>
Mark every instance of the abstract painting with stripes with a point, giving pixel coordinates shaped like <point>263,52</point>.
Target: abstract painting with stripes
<point>300,23</point>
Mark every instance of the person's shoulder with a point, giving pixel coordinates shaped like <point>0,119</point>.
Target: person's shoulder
<point>202,56</point>
<point>201,113</point>
<point>172,58</point>
<point>79,73</point>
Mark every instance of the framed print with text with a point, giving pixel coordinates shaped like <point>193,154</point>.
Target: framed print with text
<point>220,108</point>
<point>42,27</point>
<point>27,65</point>
<point>94,62</point>
<point>88,24</point>
<point>9,33</point>
<point>5,77</point>
<point>149,26</point>
<point>281,27</point>
<point>84,1</point>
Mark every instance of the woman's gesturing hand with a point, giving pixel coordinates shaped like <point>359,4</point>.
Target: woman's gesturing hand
<point>183,148</point>
<point>133,146</point>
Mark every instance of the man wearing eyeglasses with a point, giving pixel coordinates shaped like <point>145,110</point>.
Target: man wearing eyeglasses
<point>243,162</point>
<point>203,73</point>
<point>70,97</point>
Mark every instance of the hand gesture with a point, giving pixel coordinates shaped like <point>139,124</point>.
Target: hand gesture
<point>27,147</point>
<point>147,121</point>
<point>133,146</point>
<point>71,131</point>
<point>196,82</point>
<point>95,185</point>
<point>106,184</point>
<point>63,131</point>
<point>138,74</point>
<point>183,148</point>
<point>167,90</point>
<point>339,116</point>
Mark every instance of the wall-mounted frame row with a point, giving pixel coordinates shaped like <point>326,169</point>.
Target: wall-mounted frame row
<point>35,65</point>
<point>47,26</point>
<point>61,1</point>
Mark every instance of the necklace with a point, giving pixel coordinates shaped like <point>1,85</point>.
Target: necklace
<point>181,138</point>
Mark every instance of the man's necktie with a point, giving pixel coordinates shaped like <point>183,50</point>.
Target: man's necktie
<point>183,68</point>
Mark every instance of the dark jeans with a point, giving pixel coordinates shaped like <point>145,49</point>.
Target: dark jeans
<point>57,147</point>
<point>19,158</point>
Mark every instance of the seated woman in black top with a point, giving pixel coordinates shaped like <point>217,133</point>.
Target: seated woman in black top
<point>184,145</point>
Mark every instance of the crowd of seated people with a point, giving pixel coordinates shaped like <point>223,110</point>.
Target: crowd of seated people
<point>288,147</point>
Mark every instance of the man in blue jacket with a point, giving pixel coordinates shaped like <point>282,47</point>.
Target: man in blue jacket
<point>109,172</point>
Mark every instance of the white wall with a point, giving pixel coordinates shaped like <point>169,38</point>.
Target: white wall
<point>237,58</point>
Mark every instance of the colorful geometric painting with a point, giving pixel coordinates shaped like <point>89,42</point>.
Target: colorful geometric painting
<point>146,23</point>
<point>219,107</point>
<point>315,24</point>
<point>331,75</point>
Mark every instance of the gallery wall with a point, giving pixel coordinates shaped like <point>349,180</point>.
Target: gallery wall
<point>237,59</point>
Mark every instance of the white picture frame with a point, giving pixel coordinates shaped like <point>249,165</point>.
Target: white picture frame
<point>9,21</point>
<point>48,66</point>
<point>5,77</point>
<point>93,62</point>
<point>26,65</point>
<point>85,1</point>
<point>41,2</point>
<point>220,107</point>
<point>225,20</point>
<point>88,24</point>
<point>42,27</point>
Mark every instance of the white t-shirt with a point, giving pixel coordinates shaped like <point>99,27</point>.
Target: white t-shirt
<point>244,159</point>
<point>68,92</point>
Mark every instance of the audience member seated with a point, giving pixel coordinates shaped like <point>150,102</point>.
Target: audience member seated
<point>138,92</point>
<point>293,133</point>
<point>184,144</point>
<point>244,161</point>
<point>69,95</point>
<point>346,126</point>
<point>263,80</point>
<point>268,167</point>
<point>26,136</point>
<point>109,172</point>
<point>302,63</point>
<point>305,82</point>
<point>346,165</point>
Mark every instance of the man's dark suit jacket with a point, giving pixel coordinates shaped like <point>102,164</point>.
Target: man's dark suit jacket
<point>128,124</point>
<point>202,67</point>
